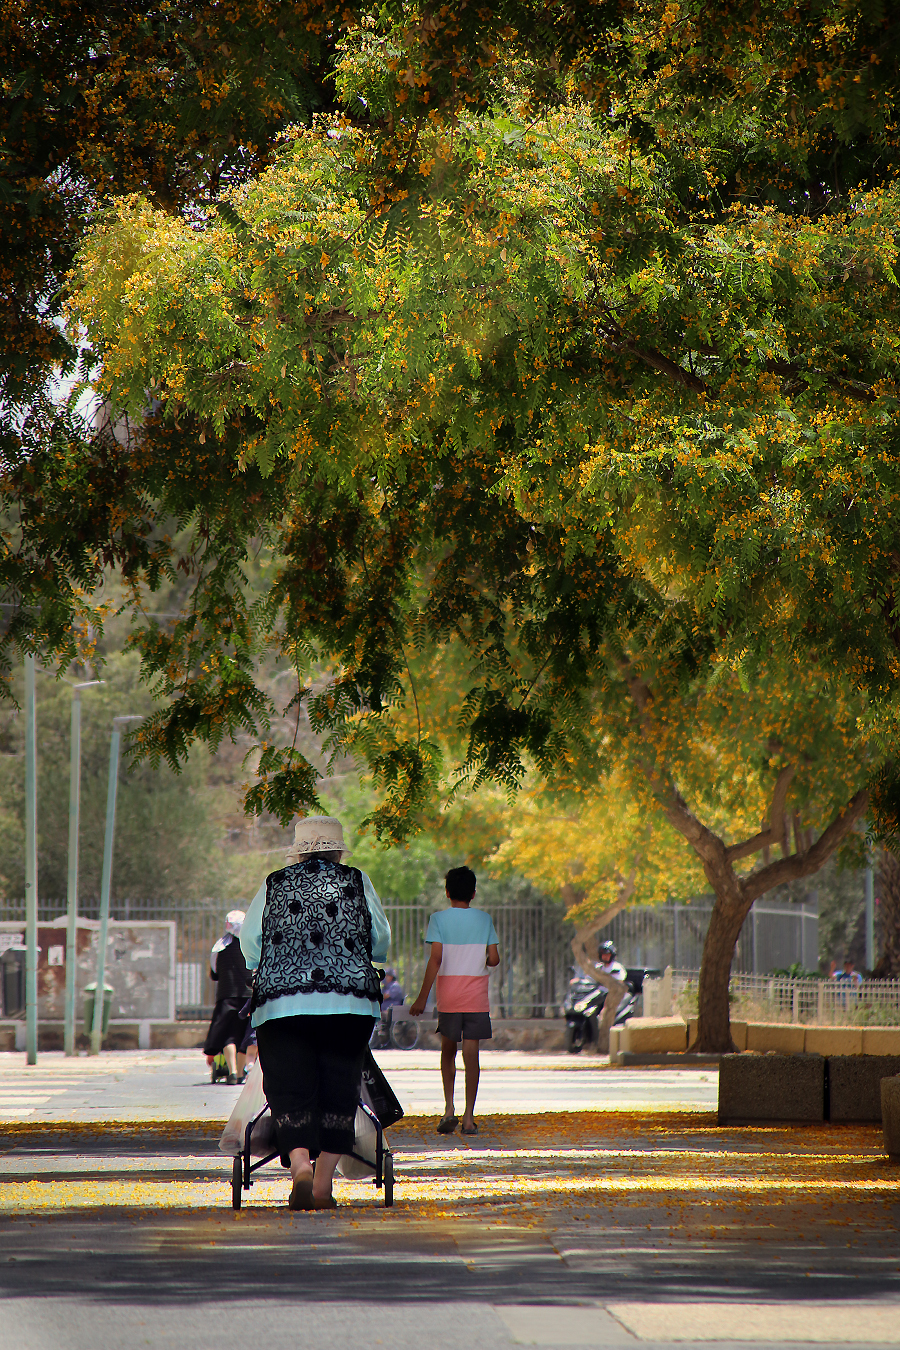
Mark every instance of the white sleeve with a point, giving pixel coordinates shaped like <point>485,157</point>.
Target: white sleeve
<point>218,947</point>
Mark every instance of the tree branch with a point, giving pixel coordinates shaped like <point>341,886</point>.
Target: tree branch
<point>708,846</point>
<point>657,361</point>
<point>591,929</point>
<point>650,356</point>
<point>774,833</point>
<point>800,865</point>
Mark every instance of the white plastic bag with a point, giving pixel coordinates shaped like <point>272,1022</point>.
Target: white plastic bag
<point>365,1145</point>
<point>262,1141</point>
<point>248,1105</point>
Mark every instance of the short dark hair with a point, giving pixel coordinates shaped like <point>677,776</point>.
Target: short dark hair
<point>460,883</point>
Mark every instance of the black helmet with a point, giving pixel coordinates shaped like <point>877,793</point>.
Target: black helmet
<point>608,947</point>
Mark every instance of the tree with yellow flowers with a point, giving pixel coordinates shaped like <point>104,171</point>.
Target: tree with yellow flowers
<point>585,367</point>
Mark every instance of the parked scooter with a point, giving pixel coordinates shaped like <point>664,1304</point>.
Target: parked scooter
<point>585,999</point>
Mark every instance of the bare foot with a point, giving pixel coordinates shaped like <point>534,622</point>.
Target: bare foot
<point>301,1196</point>
<point>321,1195</point>
<point>301,1191</point>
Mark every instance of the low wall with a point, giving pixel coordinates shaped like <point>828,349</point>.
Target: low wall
<point>140,967</point>
<point>123,1034</point>
<point>539,1034</point>
<point>757,1089</point>
<point>673,1035</point>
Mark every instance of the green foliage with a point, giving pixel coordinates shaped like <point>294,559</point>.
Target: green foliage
<point>521,403</point>
<point>404,872</point>
<point>885,799</point>
<point>285,778</point>
<point>168,838</point>
<point>566,340</point>
<point>585,371</point>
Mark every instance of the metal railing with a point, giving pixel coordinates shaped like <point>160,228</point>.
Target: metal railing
<point>535,944</point>
<point>535,956</point>
<point>776,935</point>
<point>824,1002</point>
<point>535,949</point>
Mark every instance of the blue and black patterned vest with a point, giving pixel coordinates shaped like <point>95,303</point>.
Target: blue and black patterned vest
<point>316,934</point>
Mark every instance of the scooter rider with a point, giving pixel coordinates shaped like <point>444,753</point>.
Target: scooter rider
<point>610,963</point>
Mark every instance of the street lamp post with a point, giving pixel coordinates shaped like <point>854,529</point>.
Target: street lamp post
<point>72,886</point>
<point>870,915</point>
<point>106,881</point>
<point>31,878</point>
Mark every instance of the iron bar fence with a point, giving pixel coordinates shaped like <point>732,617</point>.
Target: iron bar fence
<point>535,944</point>
<point>535,956</point>
<point>775,936</point>
<point>820,1002</point>
<point>535,948</point>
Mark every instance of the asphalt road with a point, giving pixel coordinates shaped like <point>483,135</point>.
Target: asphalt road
<point>174,1085</point>
<point>591,1230</point>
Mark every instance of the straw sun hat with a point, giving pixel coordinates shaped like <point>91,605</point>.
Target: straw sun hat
<point>316,834</point>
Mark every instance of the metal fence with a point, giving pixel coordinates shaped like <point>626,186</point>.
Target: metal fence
<point>535,956</point>
<point>775,936</point>
<point>826,1002</point>
<point>535,944</point>
<point>535,947</point>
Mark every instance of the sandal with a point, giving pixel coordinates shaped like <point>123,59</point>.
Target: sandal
<point>473,1130</point>
<point>324,1202</point>
<point>448,1124</point>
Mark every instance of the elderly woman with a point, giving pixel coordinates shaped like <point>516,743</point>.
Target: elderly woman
<point>228,1029</point>
<point>311,933</point>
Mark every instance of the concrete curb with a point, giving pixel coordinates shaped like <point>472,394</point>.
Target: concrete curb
<point>683,1060</point>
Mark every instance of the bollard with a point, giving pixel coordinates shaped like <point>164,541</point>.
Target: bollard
<point>90,999</point>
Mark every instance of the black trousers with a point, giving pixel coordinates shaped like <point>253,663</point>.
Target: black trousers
<point>312,1068</point>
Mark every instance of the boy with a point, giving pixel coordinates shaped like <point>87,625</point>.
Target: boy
<point>463,947</point>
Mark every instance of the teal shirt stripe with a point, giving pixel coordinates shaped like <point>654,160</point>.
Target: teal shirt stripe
<point>462,926</point>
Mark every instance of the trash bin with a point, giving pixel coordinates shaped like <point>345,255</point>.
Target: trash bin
<point>12,981</point>
<point>90,994</point>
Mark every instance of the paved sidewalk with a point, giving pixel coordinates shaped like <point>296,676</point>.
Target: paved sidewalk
<point>630,1229</point>
<point>158,1085</point>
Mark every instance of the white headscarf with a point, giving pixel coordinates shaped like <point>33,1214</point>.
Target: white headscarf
<point>233,921</point>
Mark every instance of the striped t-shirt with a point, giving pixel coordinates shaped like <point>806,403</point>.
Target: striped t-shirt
<point>462,983</point>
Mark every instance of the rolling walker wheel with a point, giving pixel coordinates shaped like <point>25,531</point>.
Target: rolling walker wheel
<point>237,1181</point>
<point>388,1173</point>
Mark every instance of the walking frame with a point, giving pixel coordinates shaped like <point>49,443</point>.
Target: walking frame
<point>242,1168</point>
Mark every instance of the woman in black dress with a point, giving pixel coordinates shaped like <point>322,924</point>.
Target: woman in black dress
<point>228,968</point>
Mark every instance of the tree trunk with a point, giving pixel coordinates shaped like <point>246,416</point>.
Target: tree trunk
<point>735,894</point>
<point>616,990</point>
<point>714,1030</point>
<point>888,967</point>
